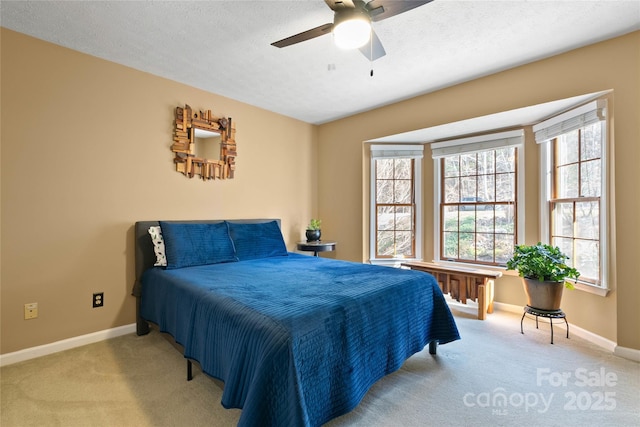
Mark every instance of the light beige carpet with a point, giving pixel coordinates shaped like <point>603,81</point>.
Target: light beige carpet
<point>494,376</point>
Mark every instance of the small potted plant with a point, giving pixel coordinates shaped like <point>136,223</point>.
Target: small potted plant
<point>313,230</point>
<point>544,274</point>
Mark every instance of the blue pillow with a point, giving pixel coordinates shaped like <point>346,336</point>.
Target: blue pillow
<point>257,240</point>
<point>188,244</point>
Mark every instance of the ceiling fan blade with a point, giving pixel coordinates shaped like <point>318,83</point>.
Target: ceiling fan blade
<point>304,36</point>
<point>339,4</point>
<point>383,9</point>
<point>374,49</point>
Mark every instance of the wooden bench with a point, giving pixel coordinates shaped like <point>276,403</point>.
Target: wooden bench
<point>462,283</point>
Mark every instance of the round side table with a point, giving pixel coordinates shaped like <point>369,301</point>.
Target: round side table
<point>317,246</point>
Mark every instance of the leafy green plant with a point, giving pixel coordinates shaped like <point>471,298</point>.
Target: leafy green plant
<point>314,224</point>
<point>542,262</point>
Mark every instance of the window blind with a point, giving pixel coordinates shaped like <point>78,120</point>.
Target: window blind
<point>571,120</point>
<point>397,151</point>
<point>477,143</point>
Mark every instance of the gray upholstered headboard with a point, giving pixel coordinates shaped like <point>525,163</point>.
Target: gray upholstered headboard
<point>145,257</point>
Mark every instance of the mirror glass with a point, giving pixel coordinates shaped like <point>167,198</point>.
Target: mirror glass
<point>207,144</point>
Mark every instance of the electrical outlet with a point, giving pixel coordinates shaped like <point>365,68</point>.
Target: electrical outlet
<point>31,310</point>
<point>98,299</point>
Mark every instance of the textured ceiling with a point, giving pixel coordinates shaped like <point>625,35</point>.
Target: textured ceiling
<point>224,46</point>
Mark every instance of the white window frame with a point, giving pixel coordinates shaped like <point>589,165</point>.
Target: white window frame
<point>396,151</point>
<point>439,150</point>
<point>545,132</point>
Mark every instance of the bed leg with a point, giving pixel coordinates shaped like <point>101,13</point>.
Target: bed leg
<point>189,370</point>
<point>433,345</point>
<point>142,327</point>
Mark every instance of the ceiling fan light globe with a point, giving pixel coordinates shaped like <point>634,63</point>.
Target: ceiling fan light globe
<point>352,33</point>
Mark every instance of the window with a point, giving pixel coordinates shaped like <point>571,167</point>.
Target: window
<point>574,214</point>
<point>395,202</point>
<point>395,208</point>
<point>478,181</point>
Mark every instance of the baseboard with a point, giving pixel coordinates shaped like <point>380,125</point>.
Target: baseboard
<point>590,336</point>
<point>54,347</point>
<point>627,353</point>
<point>579,332</point>
<point>510,308</point>
<point>43,350</point>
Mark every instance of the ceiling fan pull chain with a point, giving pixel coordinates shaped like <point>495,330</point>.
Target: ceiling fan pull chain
<point>371,52</point>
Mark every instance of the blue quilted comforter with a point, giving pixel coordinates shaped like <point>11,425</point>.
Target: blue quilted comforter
<point>297,340</point>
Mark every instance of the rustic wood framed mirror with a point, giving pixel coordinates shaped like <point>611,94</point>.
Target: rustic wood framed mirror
<point>197,136</point>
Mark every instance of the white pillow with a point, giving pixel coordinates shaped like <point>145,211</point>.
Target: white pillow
<point>158,245</point>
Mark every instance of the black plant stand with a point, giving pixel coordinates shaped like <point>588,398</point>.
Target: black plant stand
<point>550,314</point>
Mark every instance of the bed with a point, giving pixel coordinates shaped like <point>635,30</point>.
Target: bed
<point>297,340</point>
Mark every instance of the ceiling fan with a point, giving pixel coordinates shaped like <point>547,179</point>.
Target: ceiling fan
<point>351,25</point>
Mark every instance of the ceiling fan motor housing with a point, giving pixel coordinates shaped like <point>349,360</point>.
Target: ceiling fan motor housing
<point>351,28</point>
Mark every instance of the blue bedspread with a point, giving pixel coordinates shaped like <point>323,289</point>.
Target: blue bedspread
<point>297,340</point>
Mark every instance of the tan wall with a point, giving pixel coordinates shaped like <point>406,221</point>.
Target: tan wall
<point>614,64</point>
<point>85,154</point>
